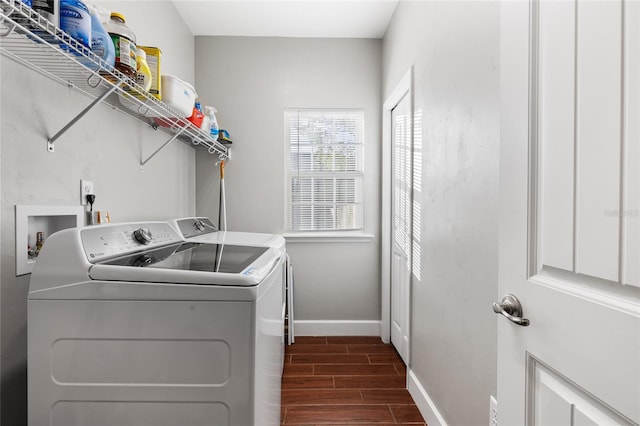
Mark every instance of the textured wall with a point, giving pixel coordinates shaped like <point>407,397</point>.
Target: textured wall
<point>251,81</point>
<point>105,146</point>
<point>454,48</point>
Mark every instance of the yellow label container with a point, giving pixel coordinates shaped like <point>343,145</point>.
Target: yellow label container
<point>153,60</point>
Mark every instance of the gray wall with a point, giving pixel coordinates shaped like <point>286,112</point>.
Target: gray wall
<point>1,258</point>
<point>454,47</point>
<point>104,147</point>
<point>251,81</point>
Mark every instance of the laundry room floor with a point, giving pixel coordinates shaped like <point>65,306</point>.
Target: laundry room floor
<point>345,381</point>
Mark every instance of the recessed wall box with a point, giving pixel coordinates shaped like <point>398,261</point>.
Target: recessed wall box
<point>30,220</point>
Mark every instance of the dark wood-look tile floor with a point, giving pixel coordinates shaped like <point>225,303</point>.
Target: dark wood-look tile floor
<point>345,381</point>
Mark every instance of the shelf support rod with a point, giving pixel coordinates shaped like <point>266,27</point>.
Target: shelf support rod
<point>10,27</point>
<point>50,142</point>
<point>162,147</point>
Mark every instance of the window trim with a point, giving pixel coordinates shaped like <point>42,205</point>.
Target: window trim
<point>358,236</point>
<point>333,235</point>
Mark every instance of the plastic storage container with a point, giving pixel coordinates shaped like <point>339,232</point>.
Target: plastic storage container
<point>124,41</point>
<point>178,95</point>
<point>143,76</point>
<point>50,9</point>
<point>153,60</point>
<point>75,20</point>
<point>101,43</point>
<point>205,126</point>
<point>197,116</point>
<point>143,79</point>
<point>212,129</point>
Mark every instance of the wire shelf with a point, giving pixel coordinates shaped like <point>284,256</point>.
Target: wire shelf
<point>29,39</point>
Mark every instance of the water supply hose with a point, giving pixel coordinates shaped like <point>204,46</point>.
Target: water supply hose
<point>222,208</point>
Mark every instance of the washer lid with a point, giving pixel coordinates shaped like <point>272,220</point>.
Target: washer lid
<point>191,263</point>
<point>194,226</point>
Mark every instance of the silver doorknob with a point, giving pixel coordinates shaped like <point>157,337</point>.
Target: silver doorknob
<point>511,308</point>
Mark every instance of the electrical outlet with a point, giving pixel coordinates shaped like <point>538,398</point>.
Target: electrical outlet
<point>493,411</point>
<point>86,188</point>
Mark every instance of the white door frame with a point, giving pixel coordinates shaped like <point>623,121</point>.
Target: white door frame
<point>404,87</point>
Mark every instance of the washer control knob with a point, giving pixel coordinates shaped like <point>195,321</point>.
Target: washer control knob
<point>199,225</point>
<point>142,261</point>
<point>142,235</point>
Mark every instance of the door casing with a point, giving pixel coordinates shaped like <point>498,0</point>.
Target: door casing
<point>403,88</point>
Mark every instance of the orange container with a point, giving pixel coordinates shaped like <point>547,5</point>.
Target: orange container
<point>196,117</point>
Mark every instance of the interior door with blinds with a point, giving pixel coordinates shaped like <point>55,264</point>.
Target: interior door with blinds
<point>401,224</point>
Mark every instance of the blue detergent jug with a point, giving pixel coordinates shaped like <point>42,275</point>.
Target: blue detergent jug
<point>101,43</point>
<point>75,20</point>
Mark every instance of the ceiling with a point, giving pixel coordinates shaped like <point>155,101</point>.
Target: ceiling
<point>287,18</point>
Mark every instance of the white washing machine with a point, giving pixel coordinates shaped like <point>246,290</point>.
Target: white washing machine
<point>131,324</point>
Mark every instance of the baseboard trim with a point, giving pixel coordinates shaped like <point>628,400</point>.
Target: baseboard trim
<point>337,328</point>
<point>425,404</point>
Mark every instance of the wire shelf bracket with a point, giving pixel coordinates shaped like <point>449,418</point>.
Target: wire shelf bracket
<point>98,100</point>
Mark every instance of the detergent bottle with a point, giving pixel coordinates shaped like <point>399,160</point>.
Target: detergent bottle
<point>143,72</point>
<point>75,20</point>
<point>124,41</point>
<point>101,43</point>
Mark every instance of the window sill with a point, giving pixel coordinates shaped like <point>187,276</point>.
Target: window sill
<point>329,237</point>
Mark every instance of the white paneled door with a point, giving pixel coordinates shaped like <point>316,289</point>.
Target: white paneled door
<point>570,213</point>
<point>401,196</point>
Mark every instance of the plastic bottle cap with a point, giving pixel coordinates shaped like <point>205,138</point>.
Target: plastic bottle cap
<point>118,15</point>
<point>141,53</point>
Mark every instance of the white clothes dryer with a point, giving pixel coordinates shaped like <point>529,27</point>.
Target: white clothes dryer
<point>203,230</point>
<point>129,324</point>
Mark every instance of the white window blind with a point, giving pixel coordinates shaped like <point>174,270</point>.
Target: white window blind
<point>325,173</point>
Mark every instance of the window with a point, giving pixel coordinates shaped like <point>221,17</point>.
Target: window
<point>325,173</point>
